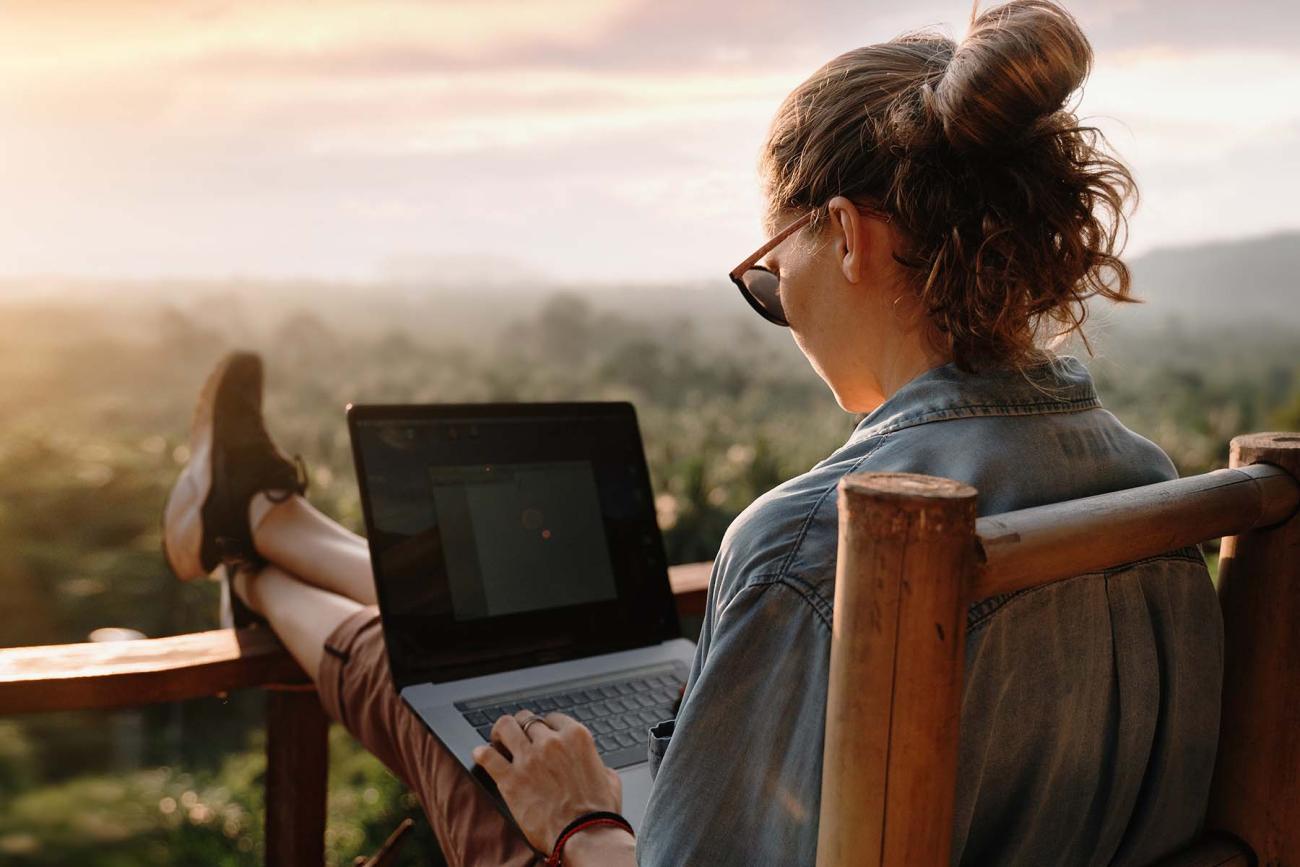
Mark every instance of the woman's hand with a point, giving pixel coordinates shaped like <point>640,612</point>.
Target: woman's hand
<point>549,776</point>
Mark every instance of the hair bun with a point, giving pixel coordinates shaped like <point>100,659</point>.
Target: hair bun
<point>1019,63</point>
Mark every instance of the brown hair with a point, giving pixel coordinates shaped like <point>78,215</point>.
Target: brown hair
<point>1012,214</point>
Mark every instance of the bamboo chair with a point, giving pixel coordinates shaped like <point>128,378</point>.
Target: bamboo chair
<point>913,557</point>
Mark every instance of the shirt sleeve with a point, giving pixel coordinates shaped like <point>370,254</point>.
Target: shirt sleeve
<point>740,778</point>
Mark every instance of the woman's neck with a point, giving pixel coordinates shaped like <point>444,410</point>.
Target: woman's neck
<point>897,365</point>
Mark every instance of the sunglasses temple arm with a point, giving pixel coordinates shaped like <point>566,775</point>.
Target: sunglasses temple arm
<point>770,245</point>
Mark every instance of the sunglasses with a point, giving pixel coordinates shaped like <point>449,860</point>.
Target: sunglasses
<point>760,286</point>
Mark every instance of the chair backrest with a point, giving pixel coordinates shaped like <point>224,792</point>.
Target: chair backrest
<point>912,558</point>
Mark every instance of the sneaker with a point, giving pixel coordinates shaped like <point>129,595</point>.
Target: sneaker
<point>232,457</point>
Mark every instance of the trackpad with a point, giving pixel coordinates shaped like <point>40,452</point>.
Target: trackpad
<point>636,793</point>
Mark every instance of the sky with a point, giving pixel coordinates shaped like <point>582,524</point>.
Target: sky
<point>510,141</point>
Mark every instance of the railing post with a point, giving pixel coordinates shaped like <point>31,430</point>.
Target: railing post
<point>906,551</point>
<point>297,766</point>
<point>1256,790</point>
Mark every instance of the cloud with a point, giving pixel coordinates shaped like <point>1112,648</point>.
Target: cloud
<point>1244,25</point>
<point>325,138</point>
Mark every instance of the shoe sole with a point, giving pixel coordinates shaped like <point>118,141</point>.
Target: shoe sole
<point>183,515</point>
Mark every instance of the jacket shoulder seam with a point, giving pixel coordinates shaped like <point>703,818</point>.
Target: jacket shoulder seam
<point>784,567</point>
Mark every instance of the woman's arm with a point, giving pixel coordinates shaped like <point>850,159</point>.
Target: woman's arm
<point>601,847</point>
<point>551,775</point>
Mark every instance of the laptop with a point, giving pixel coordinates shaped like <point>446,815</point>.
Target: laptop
<point>518,565</point>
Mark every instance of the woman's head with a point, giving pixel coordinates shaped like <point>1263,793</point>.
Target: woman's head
<point>1004,214</point>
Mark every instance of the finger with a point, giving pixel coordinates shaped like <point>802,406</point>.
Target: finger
<point>538,730</point>
<point>507,732</point>
<point>560,722</point>
<point>492,761</point>
<point>572,730</point>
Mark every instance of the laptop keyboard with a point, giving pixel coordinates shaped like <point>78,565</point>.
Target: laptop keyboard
<point>618,709</point>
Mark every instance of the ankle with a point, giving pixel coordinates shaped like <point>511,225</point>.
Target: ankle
<point>262,504</point>
<point>241,584</point>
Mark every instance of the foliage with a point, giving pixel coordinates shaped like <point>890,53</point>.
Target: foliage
<point>165,816</point>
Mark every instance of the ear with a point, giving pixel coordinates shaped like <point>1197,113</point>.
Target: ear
<point>850,241</point>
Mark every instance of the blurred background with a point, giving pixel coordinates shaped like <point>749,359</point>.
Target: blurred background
<point>496,200</point>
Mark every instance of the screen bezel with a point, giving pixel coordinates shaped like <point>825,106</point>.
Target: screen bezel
<point>529,638</point>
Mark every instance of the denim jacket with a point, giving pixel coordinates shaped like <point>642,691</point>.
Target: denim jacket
<point>1090,708</point>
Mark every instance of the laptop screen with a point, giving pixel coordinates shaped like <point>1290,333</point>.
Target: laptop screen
<point>504,535</point>
<point>521,537</point>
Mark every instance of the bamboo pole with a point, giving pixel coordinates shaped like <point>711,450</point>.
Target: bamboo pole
<point>1256,790</point>
<point>1036,546</point>
<point>906,549</point>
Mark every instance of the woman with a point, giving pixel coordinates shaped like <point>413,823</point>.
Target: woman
<point>938,216</point>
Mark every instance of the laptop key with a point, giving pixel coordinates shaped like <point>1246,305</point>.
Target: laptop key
<point>477,718</point>
<point>625,739</point>
<point>601,726</point>
<point>485,732</point>
<point>606,743</point>
<point>546,705</point>
<point>563,701</point>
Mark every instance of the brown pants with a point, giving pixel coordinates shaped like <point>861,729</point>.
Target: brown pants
<point>356,689</point>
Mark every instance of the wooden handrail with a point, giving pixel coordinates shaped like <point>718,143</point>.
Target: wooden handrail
<point>116,674</point>
<point>690,583</point>
<point>1037,546</point>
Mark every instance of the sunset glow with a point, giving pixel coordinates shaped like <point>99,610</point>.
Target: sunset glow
<point>568,139</point>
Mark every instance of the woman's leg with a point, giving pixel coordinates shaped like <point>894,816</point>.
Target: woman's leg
<point>301,615</point>
<point>311,546</point>
<point>340,643</point>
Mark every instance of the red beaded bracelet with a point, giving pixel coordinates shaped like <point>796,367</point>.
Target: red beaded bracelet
<point>582,823</point>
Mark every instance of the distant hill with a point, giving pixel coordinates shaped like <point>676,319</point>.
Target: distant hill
<point>1222,281</point>
<point>1196,286</point>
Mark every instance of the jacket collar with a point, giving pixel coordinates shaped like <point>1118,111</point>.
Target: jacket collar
<point>1060,384</point>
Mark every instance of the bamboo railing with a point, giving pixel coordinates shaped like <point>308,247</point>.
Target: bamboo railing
<point>913,556</point>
